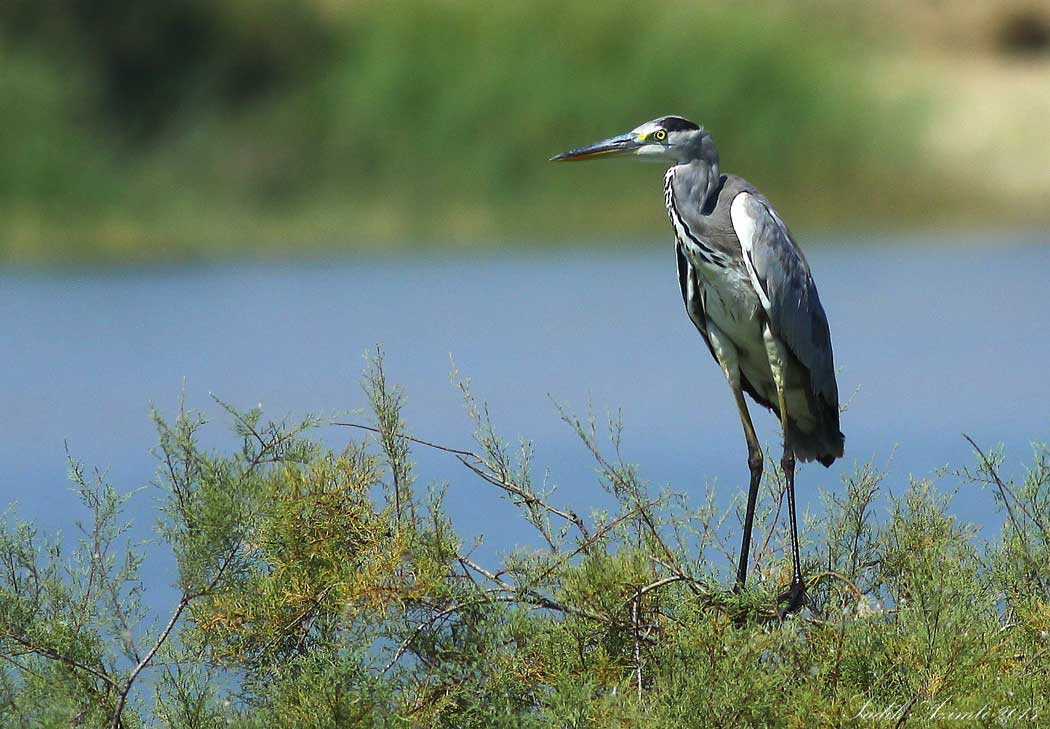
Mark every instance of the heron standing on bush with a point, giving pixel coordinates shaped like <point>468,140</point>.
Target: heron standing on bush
<point>749,291</point>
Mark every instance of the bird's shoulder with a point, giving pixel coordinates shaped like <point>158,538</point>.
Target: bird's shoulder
<point>757,223</point>
<point>735,186</point>
<point>718,206</point>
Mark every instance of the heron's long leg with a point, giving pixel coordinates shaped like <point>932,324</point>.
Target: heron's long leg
<point>728,357</point>
<point>754,463</point>
<point>777,358</point>
<point>788,464</point>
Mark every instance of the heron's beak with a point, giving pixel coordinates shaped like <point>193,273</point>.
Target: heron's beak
<point>620,146</point>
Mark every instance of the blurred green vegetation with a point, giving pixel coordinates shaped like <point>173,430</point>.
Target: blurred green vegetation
<point>195,129</point>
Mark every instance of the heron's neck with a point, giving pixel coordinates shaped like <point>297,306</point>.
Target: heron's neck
<point>697,180</point>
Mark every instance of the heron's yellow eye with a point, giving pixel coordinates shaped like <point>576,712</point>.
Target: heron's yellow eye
<point>659,135</point>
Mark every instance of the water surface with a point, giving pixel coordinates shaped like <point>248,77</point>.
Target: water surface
<point>931,341</point>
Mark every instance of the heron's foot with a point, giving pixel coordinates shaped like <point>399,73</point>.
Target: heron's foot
<point>792,600</point>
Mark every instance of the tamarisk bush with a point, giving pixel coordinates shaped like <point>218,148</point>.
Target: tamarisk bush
<point>323,588</point>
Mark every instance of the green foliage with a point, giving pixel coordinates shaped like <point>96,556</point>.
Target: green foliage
<point>251,126</point>
<point>154,61</point>
<point>42,100</point>
<point>322,588</point>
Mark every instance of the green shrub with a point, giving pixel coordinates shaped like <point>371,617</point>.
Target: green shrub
<point>325,589</point>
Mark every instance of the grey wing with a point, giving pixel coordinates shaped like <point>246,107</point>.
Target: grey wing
<point>692,296</point>
<point>781,277</point>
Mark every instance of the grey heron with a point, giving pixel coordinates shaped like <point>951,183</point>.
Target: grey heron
<point>748,290</point>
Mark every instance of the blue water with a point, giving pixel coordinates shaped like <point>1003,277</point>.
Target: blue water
<point>931,341</point>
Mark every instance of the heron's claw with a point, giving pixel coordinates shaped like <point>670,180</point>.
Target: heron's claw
<point>792,600</point>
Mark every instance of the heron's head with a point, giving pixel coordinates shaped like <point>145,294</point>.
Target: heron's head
<point>667,139</point>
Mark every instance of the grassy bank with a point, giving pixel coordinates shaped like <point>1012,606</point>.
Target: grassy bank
<point>280,126</point>
<point>330,589</point>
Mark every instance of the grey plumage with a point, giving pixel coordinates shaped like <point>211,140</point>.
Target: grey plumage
<point>795,313</point>
<point>749,291</point>
<point>797,318</point>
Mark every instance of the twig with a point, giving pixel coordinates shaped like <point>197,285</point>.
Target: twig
<point>129,641</point>
<point>407,642</point>
<point>1003,490</point>
<point>693,583</point>
<point>56,656</point>
<point>303,616</point>
<point>1005,493</point>
<point>10,658</point>
<point>815,580</point>
<point>482,468</point>
<point>186,599</point>
<point>637,643</point>
<point>529,499</point>
<point>660,583</point>
<point>585,545</point>
<point>531,597</point>
<point>906,712</point>
<point>411,439</point>
<point>419,629</point>
<point>761,553</point>
<point>122,694</point>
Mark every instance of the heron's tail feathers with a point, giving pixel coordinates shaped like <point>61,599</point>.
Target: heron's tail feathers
<point>824,443</point>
